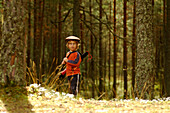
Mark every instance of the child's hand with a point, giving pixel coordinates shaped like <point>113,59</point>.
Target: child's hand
<point>64,60</point>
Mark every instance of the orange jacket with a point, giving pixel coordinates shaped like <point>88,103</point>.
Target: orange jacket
<point>73,63</point>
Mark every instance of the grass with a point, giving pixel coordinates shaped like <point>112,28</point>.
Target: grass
<point>24,100</point>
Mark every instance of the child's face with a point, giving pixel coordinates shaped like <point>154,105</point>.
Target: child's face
<point>72,45</point>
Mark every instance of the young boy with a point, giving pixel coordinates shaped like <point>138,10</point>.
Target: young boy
<point>72,61</point>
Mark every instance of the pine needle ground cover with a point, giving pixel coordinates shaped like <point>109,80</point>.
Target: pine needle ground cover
<point>36,99</point>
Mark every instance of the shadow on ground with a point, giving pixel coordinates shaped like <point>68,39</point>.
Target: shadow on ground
<point>15,100</point>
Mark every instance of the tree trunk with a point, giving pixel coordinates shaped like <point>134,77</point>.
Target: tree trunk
<point>104,68</point>
<point>115,50</point>
<point>134,47</point>
<point>76,18</point>
<point>109,60</point>
<point>153,81</point>
<point>55,34</point>
<point>36,40</point>
<point>13,44</point>
<point>42,40</point>
<point>164,36</point>
<point>145,50</point>
<point>59,32</point>
<point>29,38</point>
<point>125,49</point>
<point>167,53</point>
<point>29,34</point>
<point>92,52</point>
<point>100,52</point>
<point>41,19</point>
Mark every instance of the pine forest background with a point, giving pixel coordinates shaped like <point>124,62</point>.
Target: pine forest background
<point>33,39</point>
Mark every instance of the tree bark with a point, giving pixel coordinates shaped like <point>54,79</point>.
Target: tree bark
<point>134,47</point>
<point>125,49</point>
<point>109,60</point>
<point>36,41</point>
<point>13,44</point>
<point>59,31</point>
<point>164,36</point>
<point>167,53</point>
<point>29,34</point>
<point>76,18</point>
<point>92,52</point>
<point>100,52</point>
<point>115,50</point>
<point>145,50</point>
<point>41,19</point>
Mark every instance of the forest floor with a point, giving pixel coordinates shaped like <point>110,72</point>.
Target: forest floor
<point>24,100</point>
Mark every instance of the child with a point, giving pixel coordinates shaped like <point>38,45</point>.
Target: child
<point>72,61</point>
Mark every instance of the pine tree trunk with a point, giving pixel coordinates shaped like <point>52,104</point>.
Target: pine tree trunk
<point>29,34</point>
<point>125,50</point>
<point>145,50</point>
<point>92,52</point>
<point>41,25</point>
<point>76,18</point>
<point>59,32</point>
<point>81,32</point>
<point>115,50</point>
<point>167,53</point>
<point>42,40</point>
<point>13,44</point>
<point>29,37</point>
<point>153,80</point>
<point>164,36</point>
<point>100,52</point>
<point>104,68</point>
<point>134,47</point>
<point>36,40</point>
<point>55,38</point>
<point>109,60</point>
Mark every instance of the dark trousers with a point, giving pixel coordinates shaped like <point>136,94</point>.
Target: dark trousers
<point>73,84</point>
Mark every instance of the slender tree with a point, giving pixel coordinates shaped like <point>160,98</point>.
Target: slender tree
<point>41,26</point>
<point>29,34</point>
<point>56,39</point>
<point>115,49</point>
<point>59,30</point>
<point>134,46</point>
<point>164,35</point>
<point>167,52</point>
<point>156,57</point>
<point>83,67</point>
<point>125,49</point>
<point>29,37</point>
<point>104,64</point>
<point>82,31</point>
<point>100,51</point>
<point>36,39</point>
<point>42,39</point>
<point>109,60</point>
<point>92,52</point>
<point>76,18</point>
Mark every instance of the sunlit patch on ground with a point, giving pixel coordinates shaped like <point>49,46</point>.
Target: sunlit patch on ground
<point>49,101</point>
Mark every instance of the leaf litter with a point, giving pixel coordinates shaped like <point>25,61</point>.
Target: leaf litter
<point>37,99</point>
